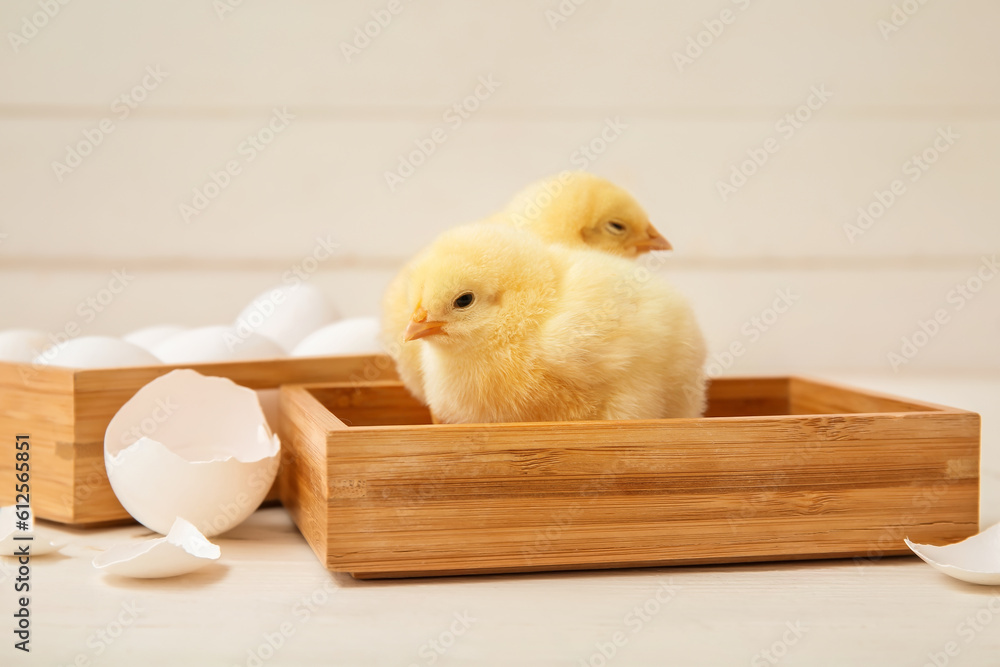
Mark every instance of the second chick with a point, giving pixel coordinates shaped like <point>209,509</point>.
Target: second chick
<point>573,208</point>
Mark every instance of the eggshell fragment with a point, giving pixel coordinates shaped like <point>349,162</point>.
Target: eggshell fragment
<point>216,343</point>
<point>22,345</point>
<point>287,314</point>
<point>96,352</point>
<point>149,337</point>
<point>975,559</point>
<point>44,541</point>
<point>191,446</point>
<point>355,335</point>
<point>183,550</point>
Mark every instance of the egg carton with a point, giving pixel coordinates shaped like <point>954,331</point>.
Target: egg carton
<point>781,468</point>
<point>65,413</point>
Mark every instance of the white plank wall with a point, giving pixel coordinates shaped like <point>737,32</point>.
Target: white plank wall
<point>202,83</point>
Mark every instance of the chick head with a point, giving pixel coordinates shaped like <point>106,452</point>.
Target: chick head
<point>581,209</point>
<point>479,284</point>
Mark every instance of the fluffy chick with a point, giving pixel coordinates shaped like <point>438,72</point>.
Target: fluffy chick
<point>396,310</point>
<point>576,209</point>
<point>513,329</point>
<point>579,209</point>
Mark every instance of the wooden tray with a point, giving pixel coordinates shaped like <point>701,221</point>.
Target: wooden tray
<point>66,412</point>
<point>781,469</point>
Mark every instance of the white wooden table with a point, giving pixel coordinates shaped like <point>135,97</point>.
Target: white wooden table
<point>269,602</point>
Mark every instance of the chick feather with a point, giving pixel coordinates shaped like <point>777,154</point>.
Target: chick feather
<point>580,209</point>
<point>552,333</point>
<point>576,209</point>
<point>396,310</point>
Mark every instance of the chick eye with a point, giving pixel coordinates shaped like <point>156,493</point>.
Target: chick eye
<point>615,227</point>
<point>464,300</point>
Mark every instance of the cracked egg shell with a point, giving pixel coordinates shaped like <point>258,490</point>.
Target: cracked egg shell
<point>975,559</point>
<point>191,446</point>
<point>183,550</point>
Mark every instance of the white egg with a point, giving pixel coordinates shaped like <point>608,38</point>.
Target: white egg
<point>269,403</point>
<point>191,446</point>
<point>216,343</point>
<point>183,550</point>
<point>149,337</point>
<point>356,335</point>
<point>96,352</point>
<point>22,345</point>
<point>287,314</point>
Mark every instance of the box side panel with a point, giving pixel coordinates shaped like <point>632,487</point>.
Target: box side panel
<point>412,501</point>
<point>302,481</point>
<point>747,397</point>
<point>388,403</point>
<point>67,413</point>
<point>264,374</point>
<point>43,379</point>
<point>44,411</point>
<point>372,404</point>
<point>94,500</point>
<point>814,397</point>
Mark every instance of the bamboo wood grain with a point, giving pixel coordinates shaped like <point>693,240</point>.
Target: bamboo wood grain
<point>823,471</point>
<point>67,411</point>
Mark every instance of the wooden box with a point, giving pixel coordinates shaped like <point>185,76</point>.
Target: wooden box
<point>67,411</point>
<point>781,469</point>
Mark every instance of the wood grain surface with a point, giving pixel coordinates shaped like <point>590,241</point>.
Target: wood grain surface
<point>67,411</point>
<point>820,471</point>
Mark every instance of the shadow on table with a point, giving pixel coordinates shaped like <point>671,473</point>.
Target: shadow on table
<point>209,574</point>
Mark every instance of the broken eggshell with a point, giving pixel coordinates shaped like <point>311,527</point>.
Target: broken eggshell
<point>183,550</point>
<point>43,541</point>
<point>191,446</point>
<point>975,559</point>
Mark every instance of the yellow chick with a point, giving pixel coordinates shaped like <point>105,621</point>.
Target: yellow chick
<point>395,316</point>
<point>583,210</point>
<point>513,329</point>
<point>572,208</point>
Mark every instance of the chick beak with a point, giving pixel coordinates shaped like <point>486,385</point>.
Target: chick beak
<point>654,242</point>
<point>419,327</point>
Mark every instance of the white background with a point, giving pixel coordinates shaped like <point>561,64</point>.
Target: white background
<point>560,81</point>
